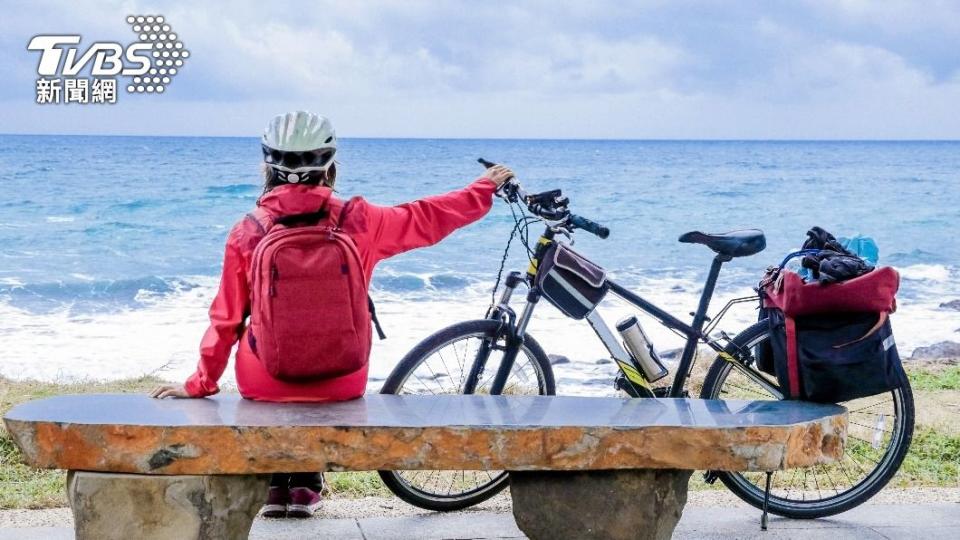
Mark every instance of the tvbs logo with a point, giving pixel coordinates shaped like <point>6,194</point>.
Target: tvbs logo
<point>148,65</point>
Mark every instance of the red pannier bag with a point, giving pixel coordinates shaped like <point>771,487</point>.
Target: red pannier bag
<point>833,343</point>
<point>310,313</point>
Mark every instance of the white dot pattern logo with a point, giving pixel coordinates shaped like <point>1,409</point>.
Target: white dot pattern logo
<point>167,52</point>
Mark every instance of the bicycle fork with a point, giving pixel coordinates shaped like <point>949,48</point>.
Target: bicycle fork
<point>511,331</point>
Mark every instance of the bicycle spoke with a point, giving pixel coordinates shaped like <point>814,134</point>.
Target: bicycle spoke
<point>754,392</point>
<point>874,429</point>
<point>826,470</point>
<point>464,366</point>
<point>445,368</point>
<point>844,469</point>
<point>816,483</point>
<point>424,384</point>
<point>869,406</point>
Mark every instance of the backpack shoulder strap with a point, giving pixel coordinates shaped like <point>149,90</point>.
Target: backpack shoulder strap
<point>373,317</point>
<point>338,212</point>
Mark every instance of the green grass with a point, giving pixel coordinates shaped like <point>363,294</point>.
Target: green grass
<point>25,487</point>
<point>933,460</point>
<point>935,378</point>
<point>356,484</point>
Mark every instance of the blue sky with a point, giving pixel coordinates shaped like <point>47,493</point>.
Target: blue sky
<point>540,68</point>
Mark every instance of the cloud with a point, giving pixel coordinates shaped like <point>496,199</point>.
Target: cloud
<point>536,68</point>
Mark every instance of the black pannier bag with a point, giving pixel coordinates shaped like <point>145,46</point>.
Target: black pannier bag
<point>840,356</point>
<point>831,343</point>
<point>570,282</point>
<point>763,354</point>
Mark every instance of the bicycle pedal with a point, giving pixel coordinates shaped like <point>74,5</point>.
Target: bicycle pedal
<point>664,391</point>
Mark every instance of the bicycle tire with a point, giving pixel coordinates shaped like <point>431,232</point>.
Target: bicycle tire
<point>858,493</point>
<point>410,362</point>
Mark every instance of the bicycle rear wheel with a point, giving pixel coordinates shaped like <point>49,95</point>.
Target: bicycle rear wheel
<point>440,365</point>
<point>879,432</point>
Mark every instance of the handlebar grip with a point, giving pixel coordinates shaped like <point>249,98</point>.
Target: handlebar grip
<point>485,163</point>
<point>589,226</point>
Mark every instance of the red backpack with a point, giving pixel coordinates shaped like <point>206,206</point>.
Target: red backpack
<point>310,314</point>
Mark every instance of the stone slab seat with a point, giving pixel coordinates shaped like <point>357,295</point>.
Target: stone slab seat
<point>170,456</point>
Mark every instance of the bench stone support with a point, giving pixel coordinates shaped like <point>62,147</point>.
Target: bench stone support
<point>620,504</point>
<point>123,506</point>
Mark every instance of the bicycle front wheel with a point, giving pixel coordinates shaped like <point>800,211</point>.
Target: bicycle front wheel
<point>441,364</point>
<point>879,431</point>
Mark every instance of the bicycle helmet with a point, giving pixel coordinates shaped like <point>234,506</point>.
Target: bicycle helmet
<point>299,146</point>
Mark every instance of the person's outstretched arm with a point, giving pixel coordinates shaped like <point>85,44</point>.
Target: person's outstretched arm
<point>395,229</point>
<point>227,314</point>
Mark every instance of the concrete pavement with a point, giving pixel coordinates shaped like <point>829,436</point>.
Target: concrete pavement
<point>871,521</point>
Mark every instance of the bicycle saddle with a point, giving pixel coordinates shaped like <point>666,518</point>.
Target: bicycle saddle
<point>732,244</point>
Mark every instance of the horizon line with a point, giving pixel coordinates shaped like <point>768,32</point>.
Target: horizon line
<point>558,139</point>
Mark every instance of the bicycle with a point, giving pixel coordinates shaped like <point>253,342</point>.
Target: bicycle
<point>873,453</point>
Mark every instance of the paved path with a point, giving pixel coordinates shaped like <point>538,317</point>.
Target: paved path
<point>875,521</point>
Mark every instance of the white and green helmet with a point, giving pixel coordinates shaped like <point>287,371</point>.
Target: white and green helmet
<point>297,144</point>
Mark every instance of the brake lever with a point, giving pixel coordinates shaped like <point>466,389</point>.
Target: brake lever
<point>511,191</point>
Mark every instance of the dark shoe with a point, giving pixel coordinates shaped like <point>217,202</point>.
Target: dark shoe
<point>303,502</point>
<point>277,502</point>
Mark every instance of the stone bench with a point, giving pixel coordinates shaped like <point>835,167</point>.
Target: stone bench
<point>580,467</point>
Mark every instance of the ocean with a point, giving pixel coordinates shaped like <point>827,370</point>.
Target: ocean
<point>110,247</point>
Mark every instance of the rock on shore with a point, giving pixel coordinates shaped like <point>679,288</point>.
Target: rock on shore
<point>556,359</point>
<point>943,349</point>
<point>952,304</point>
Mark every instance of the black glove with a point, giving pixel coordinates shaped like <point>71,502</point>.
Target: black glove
<point>836,267</point>
<point>812,263</point>
<point>817,238</point>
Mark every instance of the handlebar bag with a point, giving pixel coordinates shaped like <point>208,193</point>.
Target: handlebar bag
<point>571,282</point>
<point>833,343</point>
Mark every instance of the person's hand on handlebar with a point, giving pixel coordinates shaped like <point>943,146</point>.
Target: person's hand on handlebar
<point>499,174</point>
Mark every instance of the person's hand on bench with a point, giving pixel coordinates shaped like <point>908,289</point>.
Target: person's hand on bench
<point>169,390</point>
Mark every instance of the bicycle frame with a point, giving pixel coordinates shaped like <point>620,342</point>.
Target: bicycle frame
<point>515,327</point>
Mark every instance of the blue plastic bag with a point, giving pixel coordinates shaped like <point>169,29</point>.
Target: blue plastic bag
<point>862,246</point>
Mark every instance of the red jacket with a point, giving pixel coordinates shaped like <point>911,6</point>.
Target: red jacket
<point>379,232</point>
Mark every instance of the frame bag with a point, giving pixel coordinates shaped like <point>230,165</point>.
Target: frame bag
<point>570,282</point>
<point>833,343</point>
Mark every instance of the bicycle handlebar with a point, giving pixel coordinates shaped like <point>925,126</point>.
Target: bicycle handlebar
<point>550,205</point>
<point>589,226</point>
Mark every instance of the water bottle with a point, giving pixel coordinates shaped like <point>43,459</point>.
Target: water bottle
<point>637,342</point>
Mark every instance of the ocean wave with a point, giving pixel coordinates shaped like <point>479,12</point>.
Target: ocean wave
<point>234,189</point>
<point>132,205</point>
<point>730,194</point>
<point>117,225</point>
<point>916,256</point>
<point>925,272</point>
<point>391,280</point>
<point>87,294</point>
